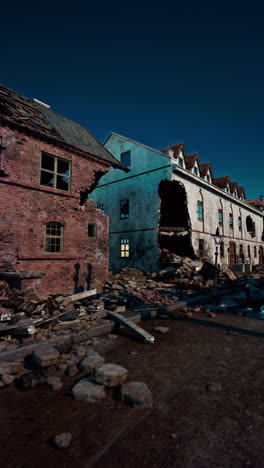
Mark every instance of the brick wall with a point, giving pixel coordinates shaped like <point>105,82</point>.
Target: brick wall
<point>26,207</point>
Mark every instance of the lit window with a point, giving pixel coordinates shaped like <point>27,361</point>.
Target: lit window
<point>180,162</point>
<point>231,221</point>
<point>124,209</point>
<point>220,216</point>
<point>200,212</point>
<point>91,230</point>
<point>55,172</point>
<point>101,207</point>
<point>124,248</point>
<point>201,248</point>
<point>126,158</point>
<point>54,237</point>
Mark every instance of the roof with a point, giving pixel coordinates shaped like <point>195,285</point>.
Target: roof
<point>221,182</point>
<point>233,186</point>
<point>204,167</point>
<point>175,148</point>
<point>31,116</point>
<point>255,202</point>
<point>241,191</point>
<point>191,159</point>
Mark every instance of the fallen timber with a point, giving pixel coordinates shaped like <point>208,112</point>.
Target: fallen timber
<point>135,329</point>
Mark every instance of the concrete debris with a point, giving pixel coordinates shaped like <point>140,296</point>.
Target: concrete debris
<point>46,356</point>
<point>110,375</point>
<point>92,361</point>
<point>135,329</point>
<point>161,330</point>
<point>63,440</point>
<point>55,383</point>
<point>88,390</point>
<point>136,394</point>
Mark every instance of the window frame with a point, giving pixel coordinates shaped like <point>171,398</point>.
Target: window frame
<point>201,251</point>
<point>123,155</point>
<point>55,172</point>
<point>220,216</point>
<point>231,217</point>
<point>122,204</point>
<point>200,210</point>
<point>52,236</point>
<point>125,242</point>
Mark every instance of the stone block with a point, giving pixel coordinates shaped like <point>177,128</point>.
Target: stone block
<point>46,356</point>
<point>136,394</point>
<point>110,375</point>
<point>91,361</point>
<point>87,390</point>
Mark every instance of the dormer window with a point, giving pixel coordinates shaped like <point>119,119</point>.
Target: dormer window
<point>180,162</point>
<point>195,170</point>
<point>208,178</point>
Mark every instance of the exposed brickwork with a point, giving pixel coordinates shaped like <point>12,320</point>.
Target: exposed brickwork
<point>26,207</point>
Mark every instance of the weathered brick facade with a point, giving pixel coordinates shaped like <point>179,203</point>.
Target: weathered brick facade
<point>27,207</point>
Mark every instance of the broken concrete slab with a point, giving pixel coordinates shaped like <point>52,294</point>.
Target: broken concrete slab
<point>110,375</point>
<point>91,361</point>
<point>136,394</point>
<point>10,367</point>
<point>46,356</point>
<point>88,390</point>
<point>63,440</point>
<point>79,296</point>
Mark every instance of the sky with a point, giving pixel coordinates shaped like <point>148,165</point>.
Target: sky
<point>157,73</point>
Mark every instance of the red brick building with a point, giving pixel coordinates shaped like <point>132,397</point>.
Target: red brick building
<point>51,238</point>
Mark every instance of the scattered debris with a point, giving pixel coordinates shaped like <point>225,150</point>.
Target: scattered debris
<point>162,330</point>
<point>135,329</point>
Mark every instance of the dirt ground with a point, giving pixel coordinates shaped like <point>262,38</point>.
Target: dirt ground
<point>211,429</point>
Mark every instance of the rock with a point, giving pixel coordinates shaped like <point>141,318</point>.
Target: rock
<point>162,330</point>
<point>46,356</point>
<point>54,382</point>
<point>10,367</point>
<point>136,394</point>
<point>91,361</point>
<point>214,387</point>
<point>30,380</point>
<point>72,370</point>
<point>63,440</point>
<point>87,390</point>
<point>7,379</point>
<point>209,283</point>
<point>110,375</point>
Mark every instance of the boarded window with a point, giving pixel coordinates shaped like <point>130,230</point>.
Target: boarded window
<point>91,230</point>
<point>200,210</point>
<point>126,158</point>
<point>55,172</point>
<point>201,248</point>
<point>124,209</point>
<point>124,248</point>
<point>54,237</point>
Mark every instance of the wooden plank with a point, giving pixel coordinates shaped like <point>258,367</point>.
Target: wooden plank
<point>79,296</point>
<point>135,329</point>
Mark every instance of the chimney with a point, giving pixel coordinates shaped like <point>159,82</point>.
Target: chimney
<point>261,198</point>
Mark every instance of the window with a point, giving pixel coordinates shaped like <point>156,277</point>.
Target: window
<point>239,223</point>
<point>124,248</point>
<point>208,178</point>
<point>180,162</point>
<point>55,172</point>
<point>200,213</point>
<point>101,207</point>
<point>126,158</point>
<point>54,237</point>
<point>195,170</point>
<point>91,230</point>
<point>220,216</point>
<point>231,221</point>
<point>222,249</point>
<point>201,248</point>
<point>124,209</point>
<point>255,251</point>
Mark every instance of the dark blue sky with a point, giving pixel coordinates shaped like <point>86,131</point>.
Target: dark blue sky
<point>157,74</point>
